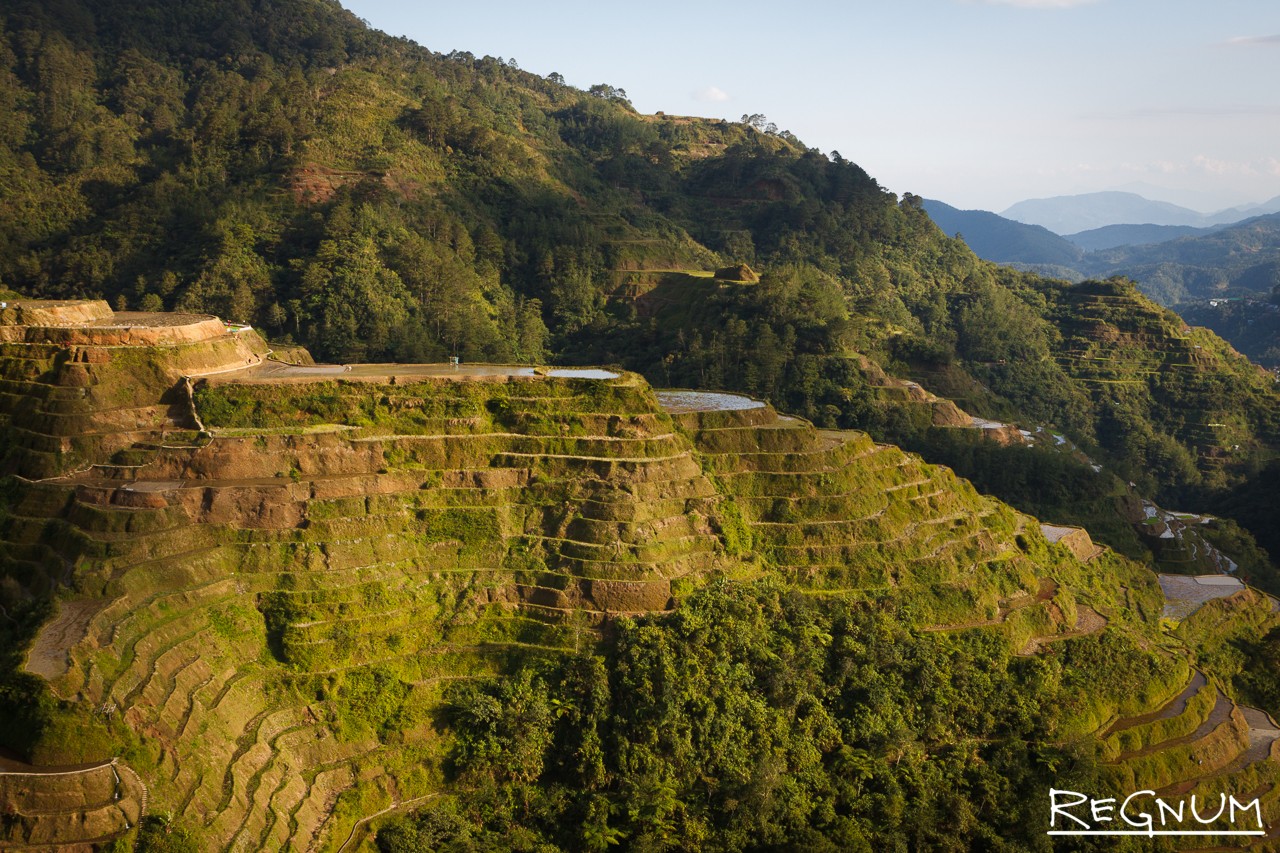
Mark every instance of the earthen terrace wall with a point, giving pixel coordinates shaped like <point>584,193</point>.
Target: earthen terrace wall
<point>82,324</point>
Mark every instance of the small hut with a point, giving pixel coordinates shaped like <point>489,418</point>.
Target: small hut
<point>739,272</point>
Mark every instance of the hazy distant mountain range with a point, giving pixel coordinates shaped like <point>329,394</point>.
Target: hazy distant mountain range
<point>1224,276</point>
<point>1172,262</point>
<point>997,238</point>
<point>1112,236</point>
<point>1071,214</point>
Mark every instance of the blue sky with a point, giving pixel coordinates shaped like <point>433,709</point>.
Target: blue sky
<point>978,103</point>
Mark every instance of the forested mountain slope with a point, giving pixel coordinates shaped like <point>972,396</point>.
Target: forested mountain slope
<point>257,610</point>
<point>278,163</point>
<point>1239,260</point>
<point>1002,240</point>
<point>1252,324</point>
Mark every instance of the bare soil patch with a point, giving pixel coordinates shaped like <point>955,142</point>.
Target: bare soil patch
<point>48,656</point>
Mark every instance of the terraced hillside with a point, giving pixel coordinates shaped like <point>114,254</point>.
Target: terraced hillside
<point>1141,363</point>
<point>81,382</point>
<point>278,609</point>
<point>261,620</point>
<point>1206,742</point>
<point>101,801</point>
<point>841,514</point>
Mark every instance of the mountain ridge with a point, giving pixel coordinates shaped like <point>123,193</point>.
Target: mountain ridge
<point>997,238</point>
<point>1172,264</point>
<point>547,610</point>
<point>1072,214</point>
<point>434,542</point>
<point>1118,236</point>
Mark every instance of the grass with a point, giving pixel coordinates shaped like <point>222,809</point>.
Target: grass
<point>453,504</point>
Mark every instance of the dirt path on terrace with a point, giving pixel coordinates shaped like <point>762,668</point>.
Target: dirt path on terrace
<point>1088,621</point>
<point>1171,709</point>
<point>11,766</point>
<point>1263,732</point>
<point>1220,714</point>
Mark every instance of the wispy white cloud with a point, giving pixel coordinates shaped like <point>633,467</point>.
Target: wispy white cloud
<point>1263,166</point>
<point>1216,166</point>
<point>713,94</point>
<point>1247,40</point>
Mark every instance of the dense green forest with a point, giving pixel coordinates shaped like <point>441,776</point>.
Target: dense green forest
<point>277,162</point>
<point>1251,324</point>
<point>282,165</point>
<point>758,718</point>
<point>1242,259</point>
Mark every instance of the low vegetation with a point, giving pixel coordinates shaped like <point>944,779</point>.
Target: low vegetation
<point>544,611</point>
